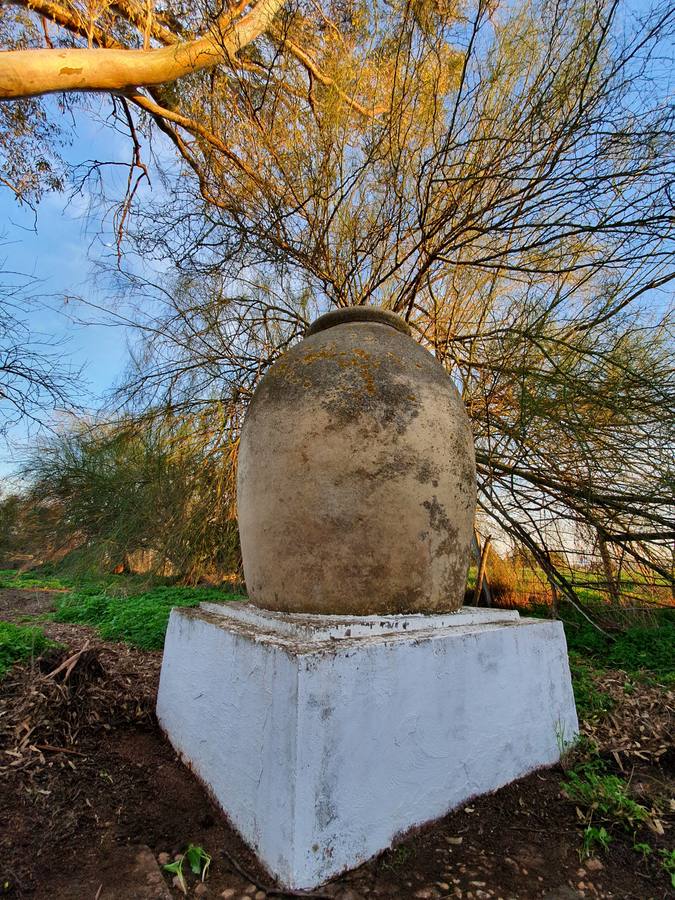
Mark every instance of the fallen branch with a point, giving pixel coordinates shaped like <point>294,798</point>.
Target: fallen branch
<point>51,749</point>
<point>68,664</point>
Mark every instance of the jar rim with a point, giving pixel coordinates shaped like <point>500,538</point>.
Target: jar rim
<point>349,314</point>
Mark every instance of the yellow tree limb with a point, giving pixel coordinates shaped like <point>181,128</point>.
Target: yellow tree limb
<point>29,73</point>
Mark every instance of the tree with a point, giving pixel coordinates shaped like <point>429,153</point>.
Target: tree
<point>154,486</point>
<point>501,176</point>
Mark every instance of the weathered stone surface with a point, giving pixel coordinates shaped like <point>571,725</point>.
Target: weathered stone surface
<point>356,488</point>
<point>325,744</point>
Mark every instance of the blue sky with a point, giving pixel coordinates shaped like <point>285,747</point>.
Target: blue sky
<point>57,246</point>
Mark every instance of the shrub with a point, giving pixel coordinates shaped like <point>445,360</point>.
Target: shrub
<point>153,494</point>
<point>503,581</point>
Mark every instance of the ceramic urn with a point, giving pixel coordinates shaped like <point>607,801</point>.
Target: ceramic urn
<point>356,486</point>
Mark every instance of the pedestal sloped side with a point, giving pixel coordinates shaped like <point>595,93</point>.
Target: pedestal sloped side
<point>395,736</point>
<point>228,704</point>
<point>323,750</point>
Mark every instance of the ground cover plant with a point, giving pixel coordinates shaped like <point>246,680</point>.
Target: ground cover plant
<point>62,578</point>
<point>627,657</point>
<point>12,579</point>
<point>590,700</point>
<point>635,648</point>
<point>604,802</point>
<point>140,619</point>
<point>19,643</point>
<point>638,640</point>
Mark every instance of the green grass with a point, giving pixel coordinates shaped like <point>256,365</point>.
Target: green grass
<point>604,797</point>
<point>12,579</point>
<point>18,643</point>
<point>48,580</point>
<point>642,647</point>
<point>635,648</point>
<point>121,607</point>
<point>139,619</point>
<point>643,644</point>
<point>668,864</point>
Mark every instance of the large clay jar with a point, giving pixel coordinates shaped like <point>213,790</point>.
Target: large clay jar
<point>356,485</point>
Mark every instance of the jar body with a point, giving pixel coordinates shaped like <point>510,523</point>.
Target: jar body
<point>356,481</point>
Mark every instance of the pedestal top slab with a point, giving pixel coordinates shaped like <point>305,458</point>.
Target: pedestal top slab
<point>316,628</point>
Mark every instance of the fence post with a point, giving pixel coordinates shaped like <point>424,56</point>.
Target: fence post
<point>482,589</point>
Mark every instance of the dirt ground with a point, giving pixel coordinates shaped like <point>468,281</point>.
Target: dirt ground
<point>88,783</point>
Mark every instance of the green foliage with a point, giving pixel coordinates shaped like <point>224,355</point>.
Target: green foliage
<point>148,495</point>
<point>590,701</point>
<point>643,849</point>
<point>603,802</point>
<point>198,860</point>
<point>586,639</point>
<point>12,579</point>
<point>61,578</point>
<point>397,857</point>
<point>86,606</point>
<point>595,839</point>
<point>19,642</point>
<point>9,520</point>
<point>629,643</point>
<point>644,648</point>
<point>668,863</point>
<point>140,619</point>
<point>638,647</point>
<point>604,795</point>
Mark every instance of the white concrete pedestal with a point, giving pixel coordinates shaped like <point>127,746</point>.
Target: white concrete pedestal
<point>324,738</point>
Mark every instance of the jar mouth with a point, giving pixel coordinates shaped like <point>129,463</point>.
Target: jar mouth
<point>350,314</point>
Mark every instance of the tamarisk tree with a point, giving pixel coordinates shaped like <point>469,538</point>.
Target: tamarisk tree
<point>501,175</point>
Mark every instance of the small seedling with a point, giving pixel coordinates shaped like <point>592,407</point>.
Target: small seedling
<point>668,863</point>
<point>198,860</point>
<point>398,857</point>
<point>644,849</point>
<point>594,838</point>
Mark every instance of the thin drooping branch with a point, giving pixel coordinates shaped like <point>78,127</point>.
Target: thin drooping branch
<point>315,72</point>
